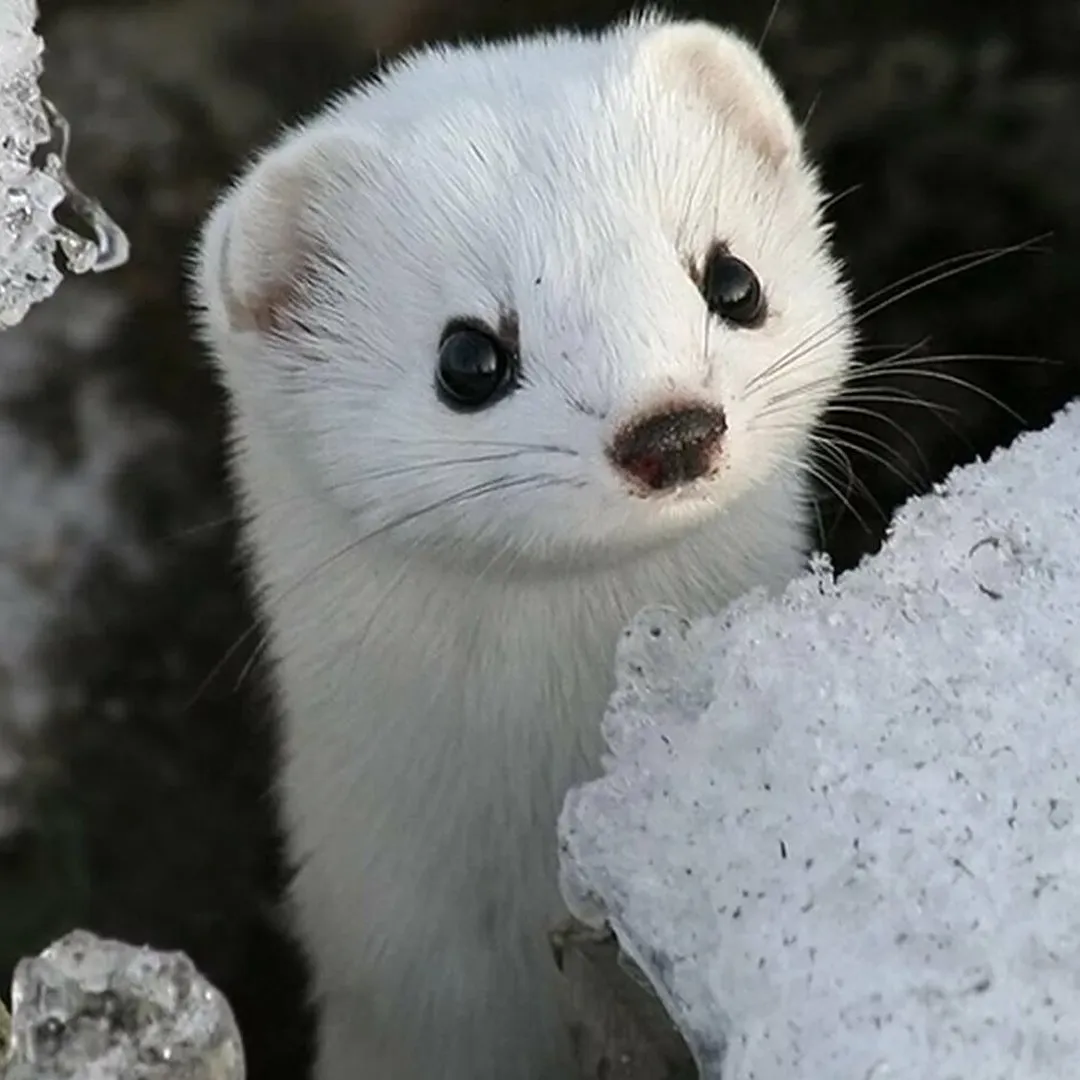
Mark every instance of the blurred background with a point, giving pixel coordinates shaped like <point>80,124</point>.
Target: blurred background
<point>135,745</point>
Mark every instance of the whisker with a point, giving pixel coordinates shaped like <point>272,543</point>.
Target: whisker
<point>905,365</point>
<point>813,469</point>
<point>872,455</point>
<point>771,18</point>
<point>832,201</point>
<point>967,384</point>
<point>540,448</point>
<point>811,109</point>
<point>829,425</point>
<point>885,395</point>
<point>202,527</point>
<point>425,466</point>
<point>853,373</point>
<point>883,298</point>
<point>900,364</point>
<point>844,404</point>
<point>937,272</point>
<point>375,612</point>
<point>854,483</point>
<point>249,665</point>
<point>895,396</point>
<point>479,490</point>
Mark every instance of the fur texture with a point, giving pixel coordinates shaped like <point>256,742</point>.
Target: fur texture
<point>444,590</point>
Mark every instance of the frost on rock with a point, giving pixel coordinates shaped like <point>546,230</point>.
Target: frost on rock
<point>34,183</point>
<point>839,829</point>
<point>91,1009</point>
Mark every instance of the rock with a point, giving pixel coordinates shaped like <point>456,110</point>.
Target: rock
<point>621,1031</point>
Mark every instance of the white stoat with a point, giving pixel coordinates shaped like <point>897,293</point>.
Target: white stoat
<point>519,338</point>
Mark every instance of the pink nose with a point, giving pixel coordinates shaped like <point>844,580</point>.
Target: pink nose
<point>670,448</point>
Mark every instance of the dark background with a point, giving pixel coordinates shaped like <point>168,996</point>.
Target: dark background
<point>143,795</point>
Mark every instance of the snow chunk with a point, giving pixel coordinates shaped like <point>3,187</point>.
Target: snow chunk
<point>93,1009</point>
<point>838,829</point>
<point>34,181</point>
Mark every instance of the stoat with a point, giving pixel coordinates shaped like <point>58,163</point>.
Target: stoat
<point>519,338</point>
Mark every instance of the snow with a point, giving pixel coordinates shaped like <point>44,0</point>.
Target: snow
<point>27,269</point>
<point>838,828</point>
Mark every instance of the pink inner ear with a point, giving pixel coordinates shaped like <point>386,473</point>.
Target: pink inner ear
<point>272,298</point>
<point>725,73</point>
<point>267,256</point>
<point>279,237</point>
<point>263,310</point>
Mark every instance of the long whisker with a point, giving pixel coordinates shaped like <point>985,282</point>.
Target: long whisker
<point>900,359</point>
<point>427,466</point>
<point>832,201</point>
<point>842,405</point>
<point>488,487</point>
<point>853,401</point>
<point>873,455</point>
<point>808,116</point>
<point>812,469</point>
<point>837,455</point>
<point>202,527</point>
<point>773,11</point>
<point>829,426</point>
<point>823,439</point>
<point>889,395</point>
<point>899,396</point>
<point>761,382</point>
<point>905,362</point>
<point>514,449</point>
<point>882,298</point>
<point>967,384</point>
<point>902,365</point>
<point>866,395</point>
<point>443,442</point>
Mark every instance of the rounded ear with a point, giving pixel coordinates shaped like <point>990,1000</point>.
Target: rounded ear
<point>272,235</point>
<point>729,75</point>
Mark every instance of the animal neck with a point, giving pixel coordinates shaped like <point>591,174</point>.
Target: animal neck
<point>477,699</point>
<point>346,603</point>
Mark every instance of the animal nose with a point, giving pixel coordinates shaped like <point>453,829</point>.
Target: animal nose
<point>670,448</point>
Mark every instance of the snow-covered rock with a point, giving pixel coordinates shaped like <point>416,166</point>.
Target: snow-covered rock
<point>839,829</point>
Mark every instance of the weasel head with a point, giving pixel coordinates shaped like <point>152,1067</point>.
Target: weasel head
<point>561,298</point>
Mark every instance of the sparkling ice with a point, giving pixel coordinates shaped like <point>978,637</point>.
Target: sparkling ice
<point>90,1009</point>
<point>34,181</point>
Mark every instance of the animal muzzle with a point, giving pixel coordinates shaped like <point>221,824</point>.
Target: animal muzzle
<point>670,448</point>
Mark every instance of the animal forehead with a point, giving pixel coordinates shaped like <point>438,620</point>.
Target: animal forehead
<point>557,158</point>
<point>564,92</point>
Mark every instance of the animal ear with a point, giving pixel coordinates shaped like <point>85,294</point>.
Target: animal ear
<point>726,72</point>
<point>273,239</point>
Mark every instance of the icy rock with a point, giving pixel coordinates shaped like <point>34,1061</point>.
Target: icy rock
<point>838,829</point>
<point>92,1009</point>
<point>34,182</point>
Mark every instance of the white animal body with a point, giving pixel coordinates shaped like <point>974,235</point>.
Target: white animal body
<point>519,338</point>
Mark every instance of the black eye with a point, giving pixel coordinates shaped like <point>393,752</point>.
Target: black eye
<point>475,369</point>
<point>732,290</point>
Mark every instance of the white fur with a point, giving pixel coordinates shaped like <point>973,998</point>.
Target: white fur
<point>443,677</point>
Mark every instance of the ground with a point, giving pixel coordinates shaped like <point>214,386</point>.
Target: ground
<point>135,759</point>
